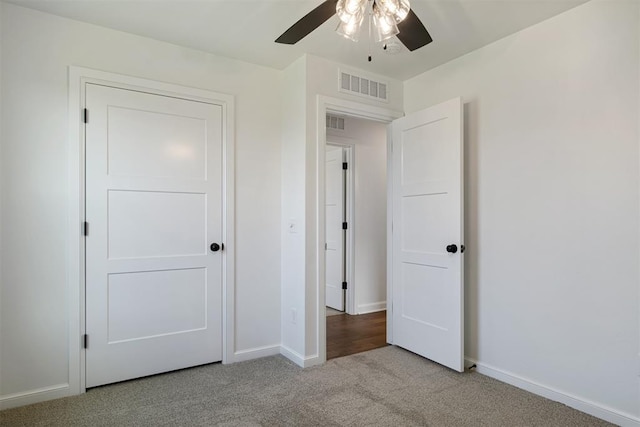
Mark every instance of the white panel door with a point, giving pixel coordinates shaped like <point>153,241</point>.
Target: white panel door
<point>154,206</point>
<point>427,260</point>
<point>334,217</point>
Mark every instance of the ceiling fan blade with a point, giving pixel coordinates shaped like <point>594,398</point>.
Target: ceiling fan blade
<point>412,33</point>
<point>308,23</point>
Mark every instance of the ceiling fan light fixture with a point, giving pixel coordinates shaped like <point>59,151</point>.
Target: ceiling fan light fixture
<point>399,9</point>
<point>385,25</point>
<point>351,29</point>
<point>387,7</point>
<point>403,10</point>
<point>347,9</point>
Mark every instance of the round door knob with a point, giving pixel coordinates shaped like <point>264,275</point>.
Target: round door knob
<point>452,249</point>
<point>215,247</point>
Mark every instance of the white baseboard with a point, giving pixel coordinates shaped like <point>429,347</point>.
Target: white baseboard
<point>592,408</point>
<point>34,396</point>
<point>256,353</point>
<point>298,359</point>
<point>372,307</point>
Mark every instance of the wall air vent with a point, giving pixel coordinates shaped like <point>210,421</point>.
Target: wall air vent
<point>335,122</point>
<point>362,86</point>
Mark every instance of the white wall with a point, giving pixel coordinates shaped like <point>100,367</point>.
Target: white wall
<point>293,210</point>
<point>552,193</point>
<point>37,48</point>
<point>306,79</point>
<point>552,214</point>
<point>322,79</point>
<point>369,141</point>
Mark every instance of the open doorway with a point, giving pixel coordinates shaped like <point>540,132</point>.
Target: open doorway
<point>355,235</point>
<point>432,136</point>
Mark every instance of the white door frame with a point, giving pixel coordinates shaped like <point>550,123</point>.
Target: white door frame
<point>348,145</point>
<point>78,78</point>
<point>326,105</point>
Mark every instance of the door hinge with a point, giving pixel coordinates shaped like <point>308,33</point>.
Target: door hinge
<point>345,166</point>
<point>344,225</point>
<point>85,341</point>
<point>85,228</point>
<point>85,116</point>
<point>344,285</point>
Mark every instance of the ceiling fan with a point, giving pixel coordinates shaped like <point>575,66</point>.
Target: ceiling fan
<point>389,17</point>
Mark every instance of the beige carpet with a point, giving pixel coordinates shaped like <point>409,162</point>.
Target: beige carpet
<point>383,387</point>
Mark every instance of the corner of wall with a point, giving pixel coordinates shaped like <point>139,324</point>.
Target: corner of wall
<point>293,219</point>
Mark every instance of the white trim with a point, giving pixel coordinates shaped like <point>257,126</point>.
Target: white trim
<point>355,109</point>
<point>34,396</point>
<point>583,405</point>
<point>78,78</point>
<point>75,246</point>
<point>298,359</point>
<point>228,230</point>
<point>256,353</point>
<point>327,104</point>
<point>372,307</point>
<point>389,233</point>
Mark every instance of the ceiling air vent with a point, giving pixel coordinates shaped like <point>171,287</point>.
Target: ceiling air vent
<point>335,122</point>
<point>362,86</point>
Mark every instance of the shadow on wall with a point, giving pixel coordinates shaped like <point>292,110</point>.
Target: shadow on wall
<point>470,239</point>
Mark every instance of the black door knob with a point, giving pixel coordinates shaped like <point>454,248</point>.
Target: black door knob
<point>215,247</point>
<point>452,249</point>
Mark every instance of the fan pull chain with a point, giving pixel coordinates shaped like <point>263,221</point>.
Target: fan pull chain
<point>370,24</point>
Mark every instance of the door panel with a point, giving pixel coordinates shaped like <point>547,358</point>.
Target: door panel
<point>334,233</point>
<point>137,231</point>
<point>154,204</point>
<point>167,145</point>
<point>153,303</point>
<point>427,288</point>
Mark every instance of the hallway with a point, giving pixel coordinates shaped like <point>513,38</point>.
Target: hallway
<point>348,334</point>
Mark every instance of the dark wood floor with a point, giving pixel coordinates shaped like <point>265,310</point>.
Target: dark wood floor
<point>348,334</point>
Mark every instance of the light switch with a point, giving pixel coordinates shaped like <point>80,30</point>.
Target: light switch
<point>292,226</point>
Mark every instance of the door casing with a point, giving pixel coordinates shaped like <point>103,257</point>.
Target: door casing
<point>78,78</point>
<point>326,105</point>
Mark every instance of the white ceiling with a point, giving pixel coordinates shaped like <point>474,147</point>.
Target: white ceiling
<point>246,29</point>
